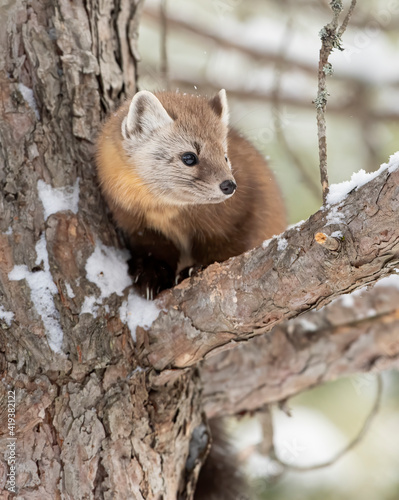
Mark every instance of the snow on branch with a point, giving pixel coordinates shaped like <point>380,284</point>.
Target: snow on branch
<point>251,293</point>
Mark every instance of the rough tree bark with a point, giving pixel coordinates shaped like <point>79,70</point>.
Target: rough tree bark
<point>99,417</point>
<point>85,429</point>
<point>251,293</point>
<point>359,335</point>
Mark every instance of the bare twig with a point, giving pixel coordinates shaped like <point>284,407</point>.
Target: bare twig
<point>344,25</point>
<point>164,41</point>
<point>330,39</point>
<point>363,431</point>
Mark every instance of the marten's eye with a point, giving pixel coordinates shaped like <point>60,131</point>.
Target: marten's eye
<point>189,159</point>
<point>225,157</point>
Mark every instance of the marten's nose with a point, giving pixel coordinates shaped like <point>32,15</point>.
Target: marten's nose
<point>228,187</point>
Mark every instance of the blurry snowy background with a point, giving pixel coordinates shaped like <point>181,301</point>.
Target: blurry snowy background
<point>265,54</point>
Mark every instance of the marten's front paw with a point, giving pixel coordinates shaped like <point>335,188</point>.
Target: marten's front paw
<point>187,273</point>
<point>150,276</point>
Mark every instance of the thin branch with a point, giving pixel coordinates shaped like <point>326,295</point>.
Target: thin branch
<point>344,25</point>
<point>164,41</point>
<point>352,444</point>
<point>330,38</point>
<point>328,41</point>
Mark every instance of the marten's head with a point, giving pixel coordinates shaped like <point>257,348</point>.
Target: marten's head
<point>177,144</point>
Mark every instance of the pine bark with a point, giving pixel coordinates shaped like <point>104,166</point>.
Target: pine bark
<point>289,275</point>
<point>356,336</point>
<point>99,416</point>
<point>88,424</point>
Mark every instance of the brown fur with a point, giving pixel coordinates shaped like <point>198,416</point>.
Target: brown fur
<point>207,232</point>
<point>220,477</point>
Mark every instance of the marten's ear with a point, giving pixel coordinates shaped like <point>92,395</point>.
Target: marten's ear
<point>220,106</point>
<point>145,115</point>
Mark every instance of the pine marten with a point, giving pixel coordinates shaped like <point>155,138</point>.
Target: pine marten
<point>186,189</point>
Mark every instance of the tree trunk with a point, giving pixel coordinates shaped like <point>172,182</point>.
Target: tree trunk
<point>88,424</point>
<point>98,415</point>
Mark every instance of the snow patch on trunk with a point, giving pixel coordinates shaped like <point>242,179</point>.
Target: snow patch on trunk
<point>58,199</point>
<point>7,316</point>
<point>29,98</point>
<point>90,306</point>
<point>70,292</point>
<point>136,311</point>
<point>42,291</point>
<point>107,268</point>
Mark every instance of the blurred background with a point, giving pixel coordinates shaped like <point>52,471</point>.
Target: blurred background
<point>265,54</point>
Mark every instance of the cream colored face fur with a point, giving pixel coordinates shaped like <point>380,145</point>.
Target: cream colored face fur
<point>155,143</point>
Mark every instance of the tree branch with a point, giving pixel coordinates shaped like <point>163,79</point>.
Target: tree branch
<point>251,293</point>
<point>354,334</point>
